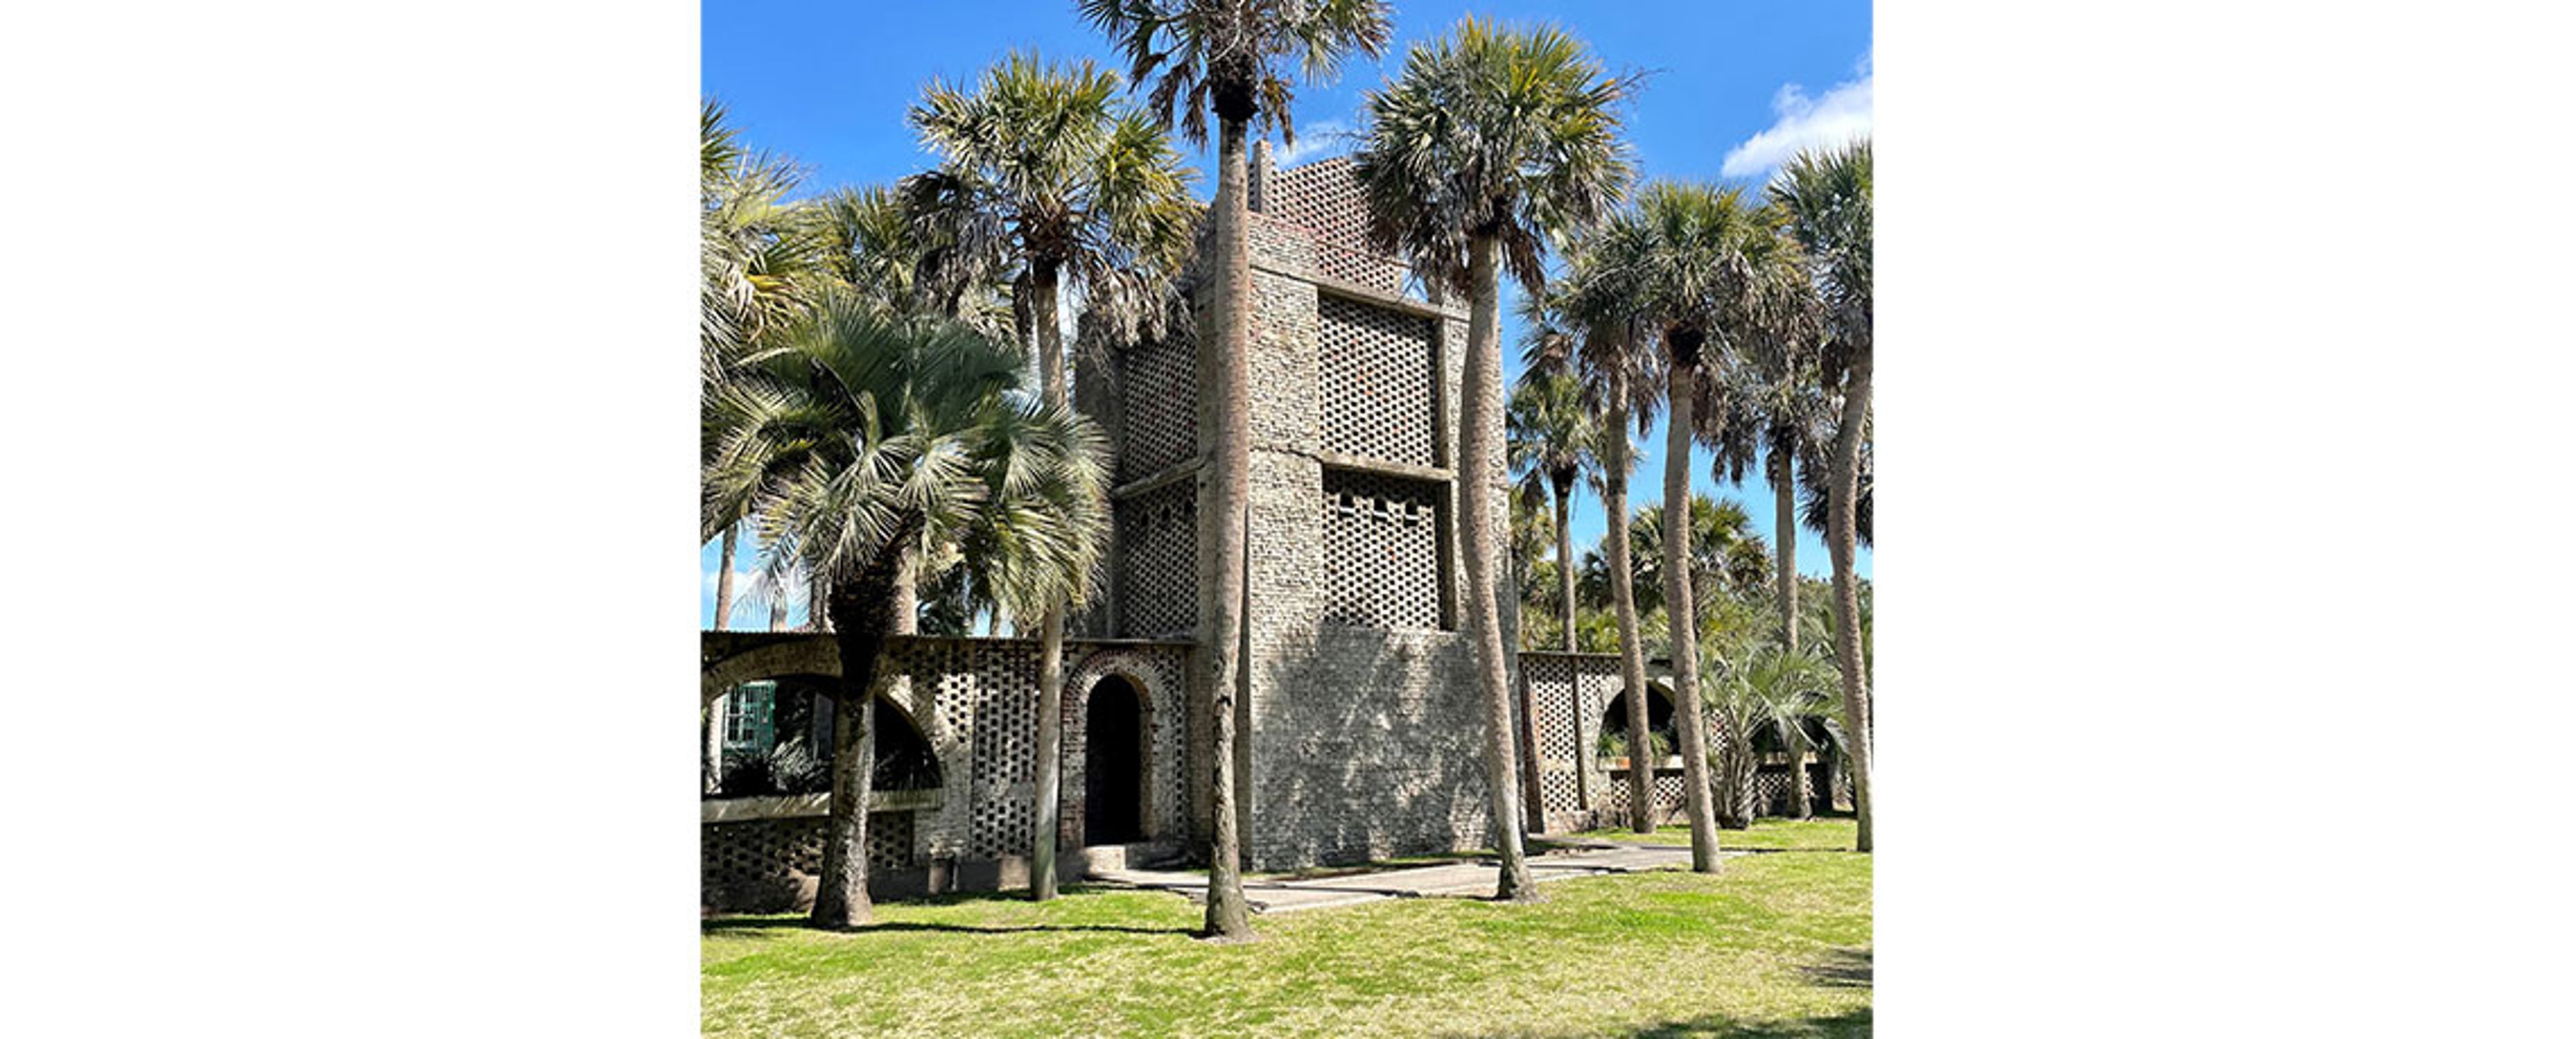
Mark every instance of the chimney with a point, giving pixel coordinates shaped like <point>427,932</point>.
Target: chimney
<point>1258,181</point>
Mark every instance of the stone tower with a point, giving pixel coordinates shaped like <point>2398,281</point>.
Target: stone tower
<point>1362,729</point>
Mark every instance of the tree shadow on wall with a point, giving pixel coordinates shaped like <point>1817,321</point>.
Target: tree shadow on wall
<point>1369,743</point>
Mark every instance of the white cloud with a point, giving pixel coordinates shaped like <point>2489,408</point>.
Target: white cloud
<point>1840,116</point>
<point>1319,140</point>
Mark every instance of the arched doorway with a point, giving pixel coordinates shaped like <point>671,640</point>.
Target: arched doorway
<point>1113,764</point>
<point>1613,739</point>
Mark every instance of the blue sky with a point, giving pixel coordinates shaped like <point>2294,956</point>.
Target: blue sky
<point>1732,88</point>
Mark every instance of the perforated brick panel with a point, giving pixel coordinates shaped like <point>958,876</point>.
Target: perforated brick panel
<point>1552,691</point>
<point>1159,397</point>
<point>1379,391</point>
<point>1382,558</point>
<point>1006,718</point>
<point>757,865</point>
<point>1158,541</point>
<point>1324,197</point>
<point>1771,793</point>
<point>1611,797</point>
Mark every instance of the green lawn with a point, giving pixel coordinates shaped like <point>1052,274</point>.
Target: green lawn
<point>1775,945</point>
<point>1765,835</point>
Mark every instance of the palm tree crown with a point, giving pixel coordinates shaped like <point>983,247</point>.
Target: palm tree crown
<point>1225,55</point>
<point>1549,433</point>
<point>1045,167</point>
<point>858,437</point>
<point>1492,132</point>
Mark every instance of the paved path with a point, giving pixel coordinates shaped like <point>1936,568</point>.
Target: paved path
<point>1461,879</point>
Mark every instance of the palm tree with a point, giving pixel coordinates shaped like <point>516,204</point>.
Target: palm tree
<point>1826,198</point>
<point>1726,557</point>
<point>1492,141</point>
<point>1548,433</point>
<point>1548,436</point>
<point>856,439</point>
<point>1753,684</point>
<point>1070,186</point>
<point>1588,325</point>
<point>1225,57</point>
<point>759,263</point>
<point>1800,688</point>
<point>1734,707</point>
<point>1705,267</point>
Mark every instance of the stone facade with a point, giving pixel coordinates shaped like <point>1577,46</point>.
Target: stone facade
<point>1362,732</point>
<point>1362,737</point>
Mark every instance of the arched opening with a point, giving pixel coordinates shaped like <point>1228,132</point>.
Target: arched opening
<point>1613,742</point>
<point>1113,764</point>
<point>775,737</point>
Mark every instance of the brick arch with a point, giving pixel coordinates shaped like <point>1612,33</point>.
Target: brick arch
<point>820,656</point>
<point>1157,678</point>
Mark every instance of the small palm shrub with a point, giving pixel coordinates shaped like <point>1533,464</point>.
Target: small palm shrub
<point>1614,743</point>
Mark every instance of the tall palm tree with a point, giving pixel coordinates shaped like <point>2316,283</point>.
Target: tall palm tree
<point>1826,197</point>
<point>759,264</point>
<point>1226,57</point>
<point>1548,434</point>
<point>1070,186</point>
<point>856,439</point>
<point>1588,325</point>
<point>1492,142</point>
<point>1705,265</point>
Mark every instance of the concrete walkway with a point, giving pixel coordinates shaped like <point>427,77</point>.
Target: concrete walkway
<point>1453,880</point>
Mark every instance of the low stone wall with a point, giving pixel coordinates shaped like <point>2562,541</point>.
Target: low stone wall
<point>974,700</point>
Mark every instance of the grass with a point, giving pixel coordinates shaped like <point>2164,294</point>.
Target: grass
<point>1831,834</point>
<point>1774,945</point>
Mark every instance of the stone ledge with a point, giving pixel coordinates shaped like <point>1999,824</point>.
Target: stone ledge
<point>798,806</point>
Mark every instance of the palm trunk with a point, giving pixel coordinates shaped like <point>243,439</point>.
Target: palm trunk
<point>1480,468</point>
<point>1840,517</point>
<point>1784,529</point>
<point>1743,768</point>
<point>724,578</point>
<point>1533,792</point>
<point>818,592</point>
<point>1801,804</point>
<point>1623,604</point>
<point>1565,559</point>
<point>1682,608</point>
<point>1046,825</point>
<point>862,618</point>
<point>1225,404</point>
<point>907,597</point>
<point>724,606</point>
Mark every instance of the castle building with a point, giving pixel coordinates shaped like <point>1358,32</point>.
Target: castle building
<point>1362,735</point>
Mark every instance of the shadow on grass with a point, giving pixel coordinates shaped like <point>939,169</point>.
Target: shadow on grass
<point>721,925</point>
<point>799,922</point>
<point>1852,1023</point>
<point>1843,968</point>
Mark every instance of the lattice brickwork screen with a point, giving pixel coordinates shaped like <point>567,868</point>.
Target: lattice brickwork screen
<point>1159,397</point>
<point>1551,681</point>
<point>1324,197</point>
<point>1006,709</point>
<point>1379,390</point>
<point>1382,558</point>
<point>742,864</point>
<point>1158,541</point>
